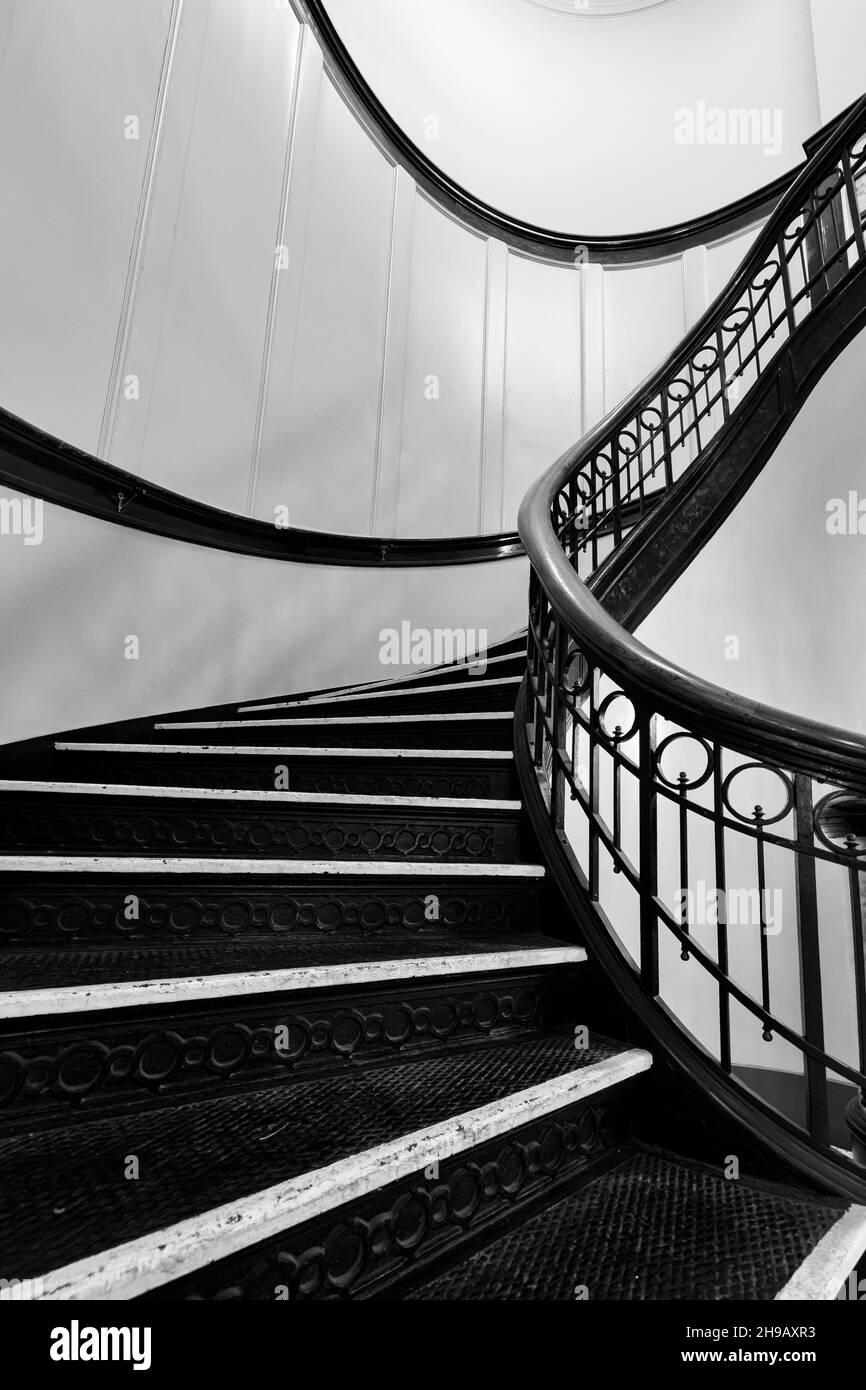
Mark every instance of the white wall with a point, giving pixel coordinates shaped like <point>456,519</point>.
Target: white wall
<point>255,308</point>
<point>213,627</point>
<point>566,120</point>
<point>839,33</point>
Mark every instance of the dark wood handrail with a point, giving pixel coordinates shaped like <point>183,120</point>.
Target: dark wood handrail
<point>526,236</point>
<point>40,465</point>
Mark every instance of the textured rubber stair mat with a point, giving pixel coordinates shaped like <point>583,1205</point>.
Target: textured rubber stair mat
<point>654,1228</point>
<point>49,969</point>
<point>64,1194</point>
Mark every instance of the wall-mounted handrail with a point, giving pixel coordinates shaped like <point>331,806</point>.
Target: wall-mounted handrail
<point>651,778</point>
<point>527,237</point>
<point>40,465</point>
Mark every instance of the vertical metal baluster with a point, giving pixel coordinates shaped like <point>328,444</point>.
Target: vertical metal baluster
<point>616,504</point>
<point>722,923</point>
<point>648,883</point>
<point>666,437</point>
<point>810,960</point>
<point>853,205</point>
<point>762,922</point>
<point>557,775</point>
<point>723,375</point>
<point>859,953</point>
<point>786,285</point>
<point>617,792</point>
<point>683,812</point>
<point>592,867</point>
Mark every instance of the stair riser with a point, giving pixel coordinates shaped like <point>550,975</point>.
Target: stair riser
<point>267,772</point>
<point>425,733</point>
<point>37,823</point>
<point>377,1245</point>
<point>85,908</point>
<point>86,1064</point>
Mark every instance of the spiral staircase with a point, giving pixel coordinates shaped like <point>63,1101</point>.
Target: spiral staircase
<point>318,997</point>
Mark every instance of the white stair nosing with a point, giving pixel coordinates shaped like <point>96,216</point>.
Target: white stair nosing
<point>825,1269</point>
<point>275,751</point>
<point>375,695</point>
<point>468,716</point>
<point>129,1270</point>
<point>130,994</point>
<point>454,803</point>
<point>422,674</point>
<point>288,868</point>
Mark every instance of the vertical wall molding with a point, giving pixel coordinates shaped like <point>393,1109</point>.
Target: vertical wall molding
<point>298,174</point>
<point>389,434</point>
<point>276,272</point>
<point>592,346</point>
<point>696,293</point>
<point>491,481</point>
<point>139,235</point>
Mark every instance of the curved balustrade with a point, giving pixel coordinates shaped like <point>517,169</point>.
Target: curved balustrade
<point>712,847</point>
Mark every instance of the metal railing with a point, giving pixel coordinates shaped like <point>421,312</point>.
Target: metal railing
<point>717,846</point>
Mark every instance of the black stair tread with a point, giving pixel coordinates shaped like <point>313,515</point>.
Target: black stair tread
<point>37,968</point>
<point>655,1227</point>
<point>63,1194</point>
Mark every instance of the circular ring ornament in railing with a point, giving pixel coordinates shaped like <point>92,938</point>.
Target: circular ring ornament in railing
<point>627,443</point>
<point>651,418</point>
<point>617,735</point>
<point>683,782</point>
<point>753,818</point>
<point>684,393</point>
<point>767,276</point>
<point>705,367</point>
<point>848,808</point>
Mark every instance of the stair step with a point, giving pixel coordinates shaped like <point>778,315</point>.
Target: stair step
<point>445,772</point>
<point>473,730</point>
<point>217,1176</point>
<point>356,954</point>
<point>116,819</point>
<point>82,1048</point>
<point>135,993</point>
<point>466,695</point>
<point>658,1227</point>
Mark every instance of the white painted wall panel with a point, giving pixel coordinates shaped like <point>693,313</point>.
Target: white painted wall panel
<point>644,318</point>
<point>71,73</point>
<point>542,375</point>
<point>198,324</point>
<point>321,424</point>
<point>439,484</point>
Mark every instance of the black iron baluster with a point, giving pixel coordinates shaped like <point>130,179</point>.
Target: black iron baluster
<point>762,921</point>
<point>683,813</point>
<point>722,918</point>
<point>648,884</point>
<point>810,960</point>
<point>859,951</point>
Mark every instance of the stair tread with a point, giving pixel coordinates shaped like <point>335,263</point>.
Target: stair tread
<point>63,1194</point>
<point>654,1227</point>
<point>36,968</point>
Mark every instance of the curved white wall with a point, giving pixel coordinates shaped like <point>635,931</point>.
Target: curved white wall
<point>212,627</point>
<point>251,305</point>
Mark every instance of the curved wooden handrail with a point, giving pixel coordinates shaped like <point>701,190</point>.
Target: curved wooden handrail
<point>40,465</point>
<point>533,240</point>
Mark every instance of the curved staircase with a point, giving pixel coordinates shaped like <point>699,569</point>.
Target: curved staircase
<point>291,1011</point>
